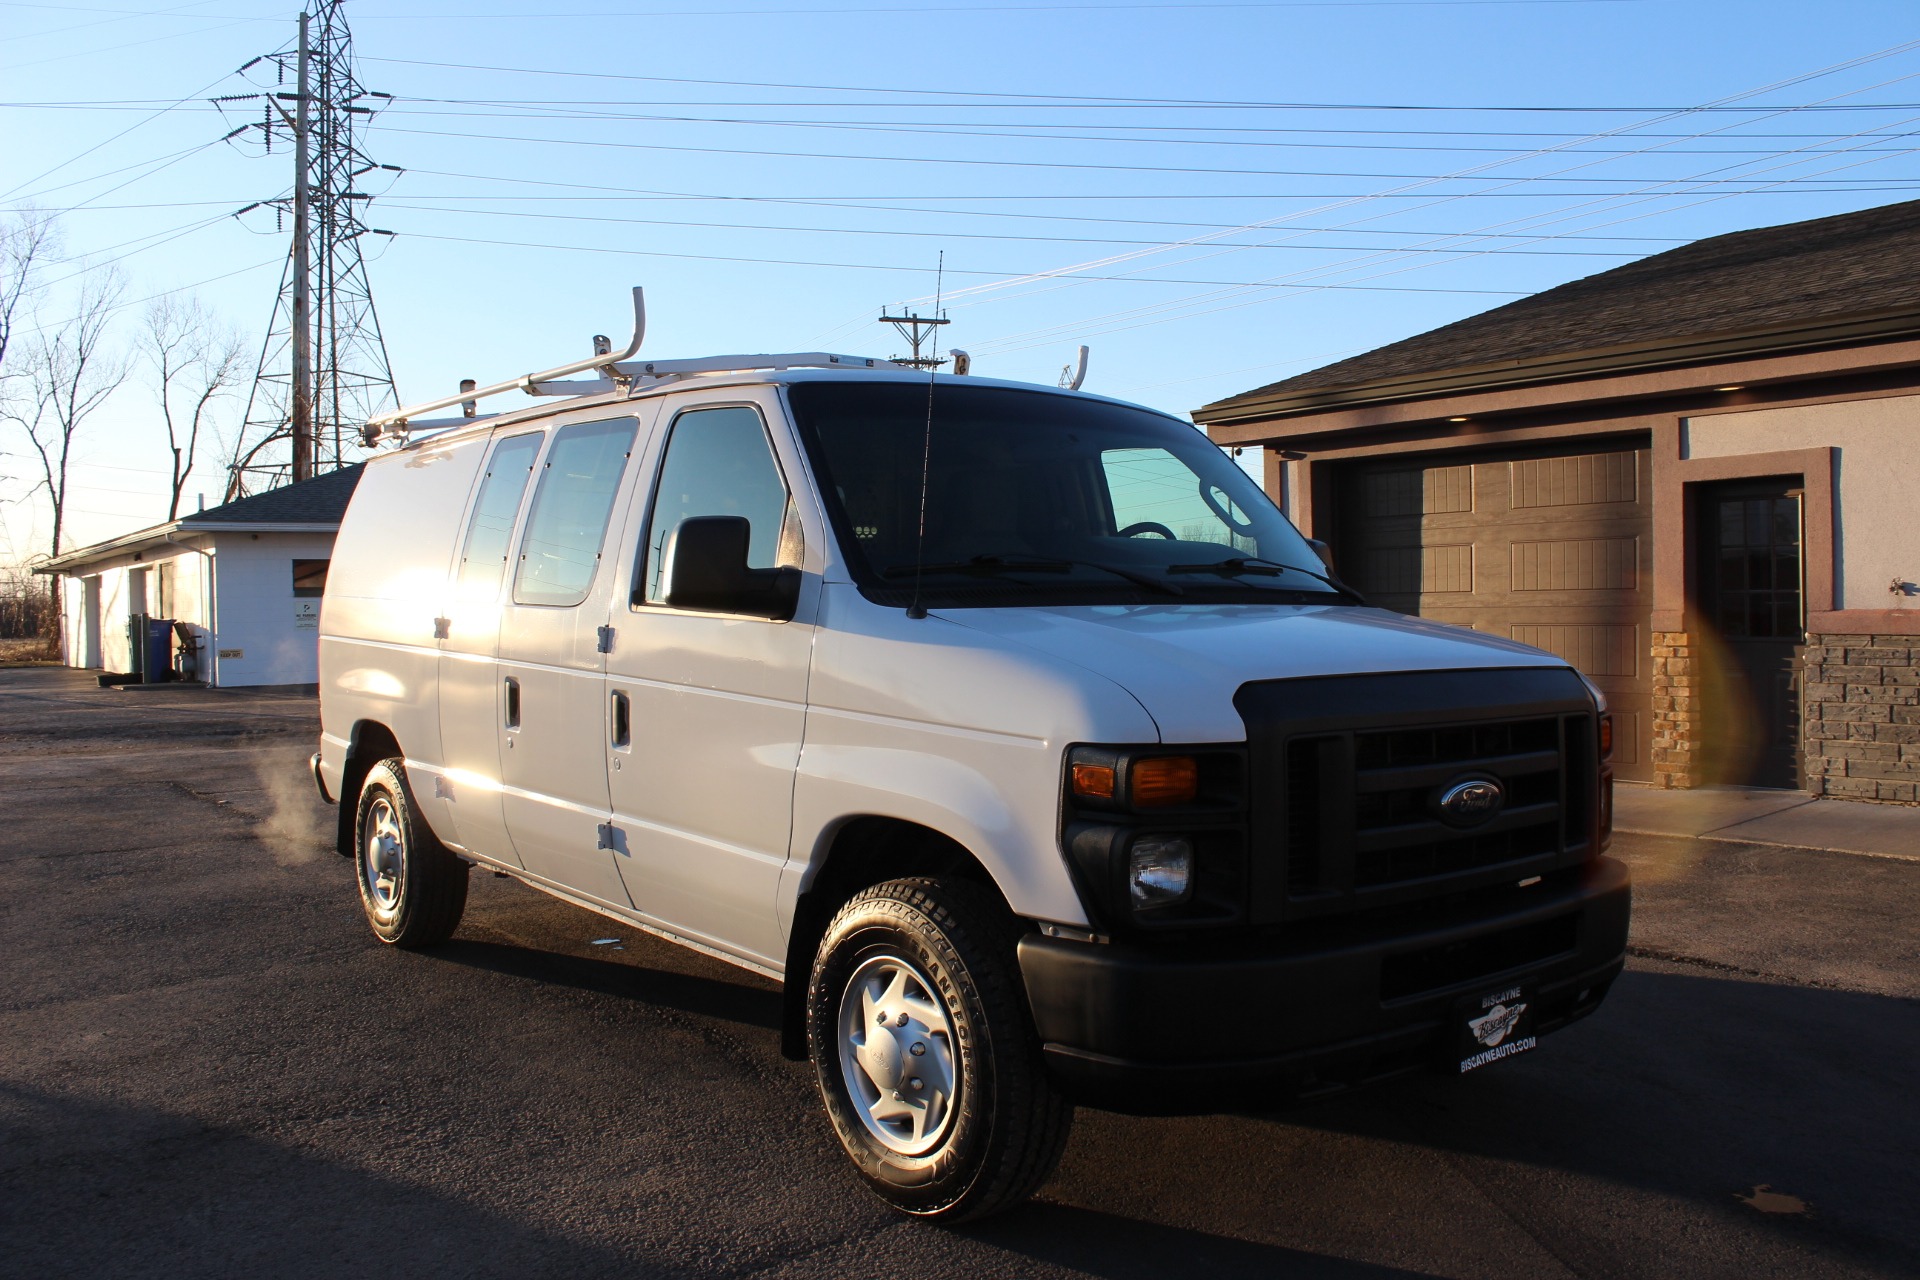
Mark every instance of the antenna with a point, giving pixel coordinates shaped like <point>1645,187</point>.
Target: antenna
<point>914,608</point>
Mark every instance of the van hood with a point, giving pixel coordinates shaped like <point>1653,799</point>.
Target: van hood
<point>1185,662</point>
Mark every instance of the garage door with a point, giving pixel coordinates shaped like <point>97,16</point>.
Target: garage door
<point>1554,550</point>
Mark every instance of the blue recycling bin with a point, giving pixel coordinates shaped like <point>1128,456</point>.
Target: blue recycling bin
<point>158,651</point>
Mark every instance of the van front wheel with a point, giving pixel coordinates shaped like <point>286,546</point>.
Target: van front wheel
<point>413,888</point>
<point>928,1064</point>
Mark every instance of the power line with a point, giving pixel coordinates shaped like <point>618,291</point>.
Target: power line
<point>138,124</point>
<point>1105,101</point>
<point>817,11</point>
<point>164,204</point>
<point>132,44</point>
<point>1081,330</point>
<point>872,202</point>
<point>944,130</point>
<point>152,240</point>
<point>401,103</point>
<point>871,266</point>
<point>1445,198</point>
<point>1006,164</point>
<point>935,235</point>
<point>1481,169</point>
<point>168,293</point>
<point>158,163</point>
<point>125,16</point>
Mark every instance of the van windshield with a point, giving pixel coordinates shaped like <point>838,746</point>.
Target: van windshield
<point>1037,498</point>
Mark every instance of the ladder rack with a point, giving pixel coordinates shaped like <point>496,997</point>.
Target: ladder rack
<point>618,372</point>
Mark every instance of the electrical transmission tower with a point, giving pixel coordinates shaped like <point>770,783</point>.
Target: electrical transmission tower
<point>323,367</point>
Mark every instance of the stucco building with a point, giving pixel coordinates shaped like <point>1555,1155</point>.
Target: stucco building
<point>243,578</point>
<point>1694,476</point>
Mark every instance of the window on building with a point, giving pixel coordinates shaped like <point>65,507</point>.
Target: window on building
<point>309,579</point>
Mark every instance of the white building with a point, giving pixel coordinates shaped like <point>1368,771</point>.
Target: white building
<point>245,580</point>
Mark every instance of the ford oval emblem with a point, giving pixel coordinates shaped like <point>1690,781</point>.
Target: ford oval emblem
<point>1471,801</point>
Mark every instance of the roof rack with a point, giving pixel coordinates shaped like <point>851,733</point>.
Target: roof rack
<point>617,373</point>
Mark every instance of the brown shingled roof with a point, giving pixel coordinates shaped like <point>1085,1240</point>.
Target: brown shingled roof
<point>1825,268</point>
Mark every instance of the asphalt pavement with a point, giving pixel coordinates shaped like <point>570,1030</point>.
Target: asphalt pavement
<point>209,1067</point>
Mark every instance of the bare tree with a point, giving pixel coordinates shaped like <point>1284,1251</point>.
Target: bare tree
<point>67,373</point>
<point>27,241</point>
<point>196,362</point>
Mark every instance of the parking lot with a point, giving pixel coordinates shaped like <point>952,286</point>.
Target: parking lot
<point>208,1066</point>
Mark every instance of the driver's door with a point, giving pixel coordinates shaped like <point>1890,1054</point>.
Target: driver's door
<point>713,704</point>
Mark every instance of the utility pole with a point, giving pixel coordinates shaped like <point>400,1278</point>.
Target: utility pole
<point>302,324</point>
<point>323,367</point>
<point>918,330</point>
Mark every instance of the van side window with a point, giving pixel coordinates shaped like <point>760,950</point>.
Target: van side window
<point>719,463</point>
<point>484,558</point>
<point>561,547</point>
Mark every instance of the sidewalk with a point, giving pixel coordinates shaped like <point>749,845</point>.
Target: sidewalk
<point>1753,816</point>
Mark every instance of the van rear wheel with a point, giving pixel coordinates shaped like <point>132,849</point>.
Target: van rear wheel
<point>927,1060</point>
<point>414,890</point>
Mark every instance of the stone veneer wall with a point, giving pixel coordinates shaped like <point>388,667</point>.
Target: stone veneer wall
<point>1862,728</point>
<point>1676,712</point>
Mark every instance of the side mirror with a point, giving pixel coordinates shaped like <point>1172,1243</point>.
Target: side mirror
<point>1325,553</point>
<point>706,568</point>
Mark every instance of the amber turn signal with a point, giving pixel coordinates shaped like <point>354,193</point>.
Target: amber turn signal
<point>1093,781</point>
<point>1159,781</point>
<point>1606,737</point>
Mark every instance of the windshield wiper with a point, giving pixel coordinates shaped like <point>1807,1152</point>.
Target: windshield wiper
<point>994,565</point>
<point>1236,565</point>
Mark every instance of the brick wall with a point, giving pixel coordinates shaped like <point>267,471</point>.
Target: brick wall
<point>1676,712</point>
<point>1863,717</point>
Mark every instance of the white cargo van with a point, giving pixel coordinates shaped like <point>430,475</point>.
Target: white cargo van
<point>1013,728</point>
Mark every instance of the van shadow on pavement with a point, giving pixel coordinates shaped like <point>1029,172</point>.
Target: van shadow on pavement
<point>1698,1089</point>
<point>744,1000</point>
<point>133,1192</point>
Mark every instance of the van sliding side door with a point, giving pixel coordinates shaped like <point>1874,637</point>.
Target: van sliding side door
<point>551,669</point>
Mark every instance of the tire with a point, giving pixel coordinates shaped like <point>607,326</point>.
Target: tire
<point>932,961</point>
<point>411,887</point>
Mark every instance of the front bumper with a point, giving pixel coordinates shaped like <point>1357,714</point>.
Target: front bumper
<point>1157,1029</point>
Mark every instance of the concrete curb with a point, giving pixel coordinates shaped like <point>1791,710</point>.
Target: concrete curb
<point>1773,844</point>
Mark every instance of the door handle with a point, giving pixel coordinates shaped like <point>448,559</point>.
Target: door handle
<point>622,720</point>
<point>513,703</point>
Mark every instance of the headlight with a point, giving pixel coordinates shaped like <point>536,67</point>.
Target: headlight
<point>1160,871</point>
<point>1156,835</point>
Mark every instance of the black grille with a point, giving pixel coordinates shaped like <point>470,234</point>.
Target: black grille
<point>1355,767</point>
<point>1398,772</point>
<point>1304,823</point>
<point>1443,966</point>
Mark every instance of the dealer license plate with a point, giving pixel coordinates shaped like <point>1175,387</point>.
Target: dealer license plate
<point>1497,1025</point>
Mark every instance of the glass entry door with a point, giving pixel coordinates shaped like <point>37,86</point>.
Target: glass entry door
<point>1750,596</point>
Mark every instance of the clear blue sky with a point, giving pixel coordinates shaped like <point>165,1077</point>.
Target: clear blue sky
<point>776,172</point>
